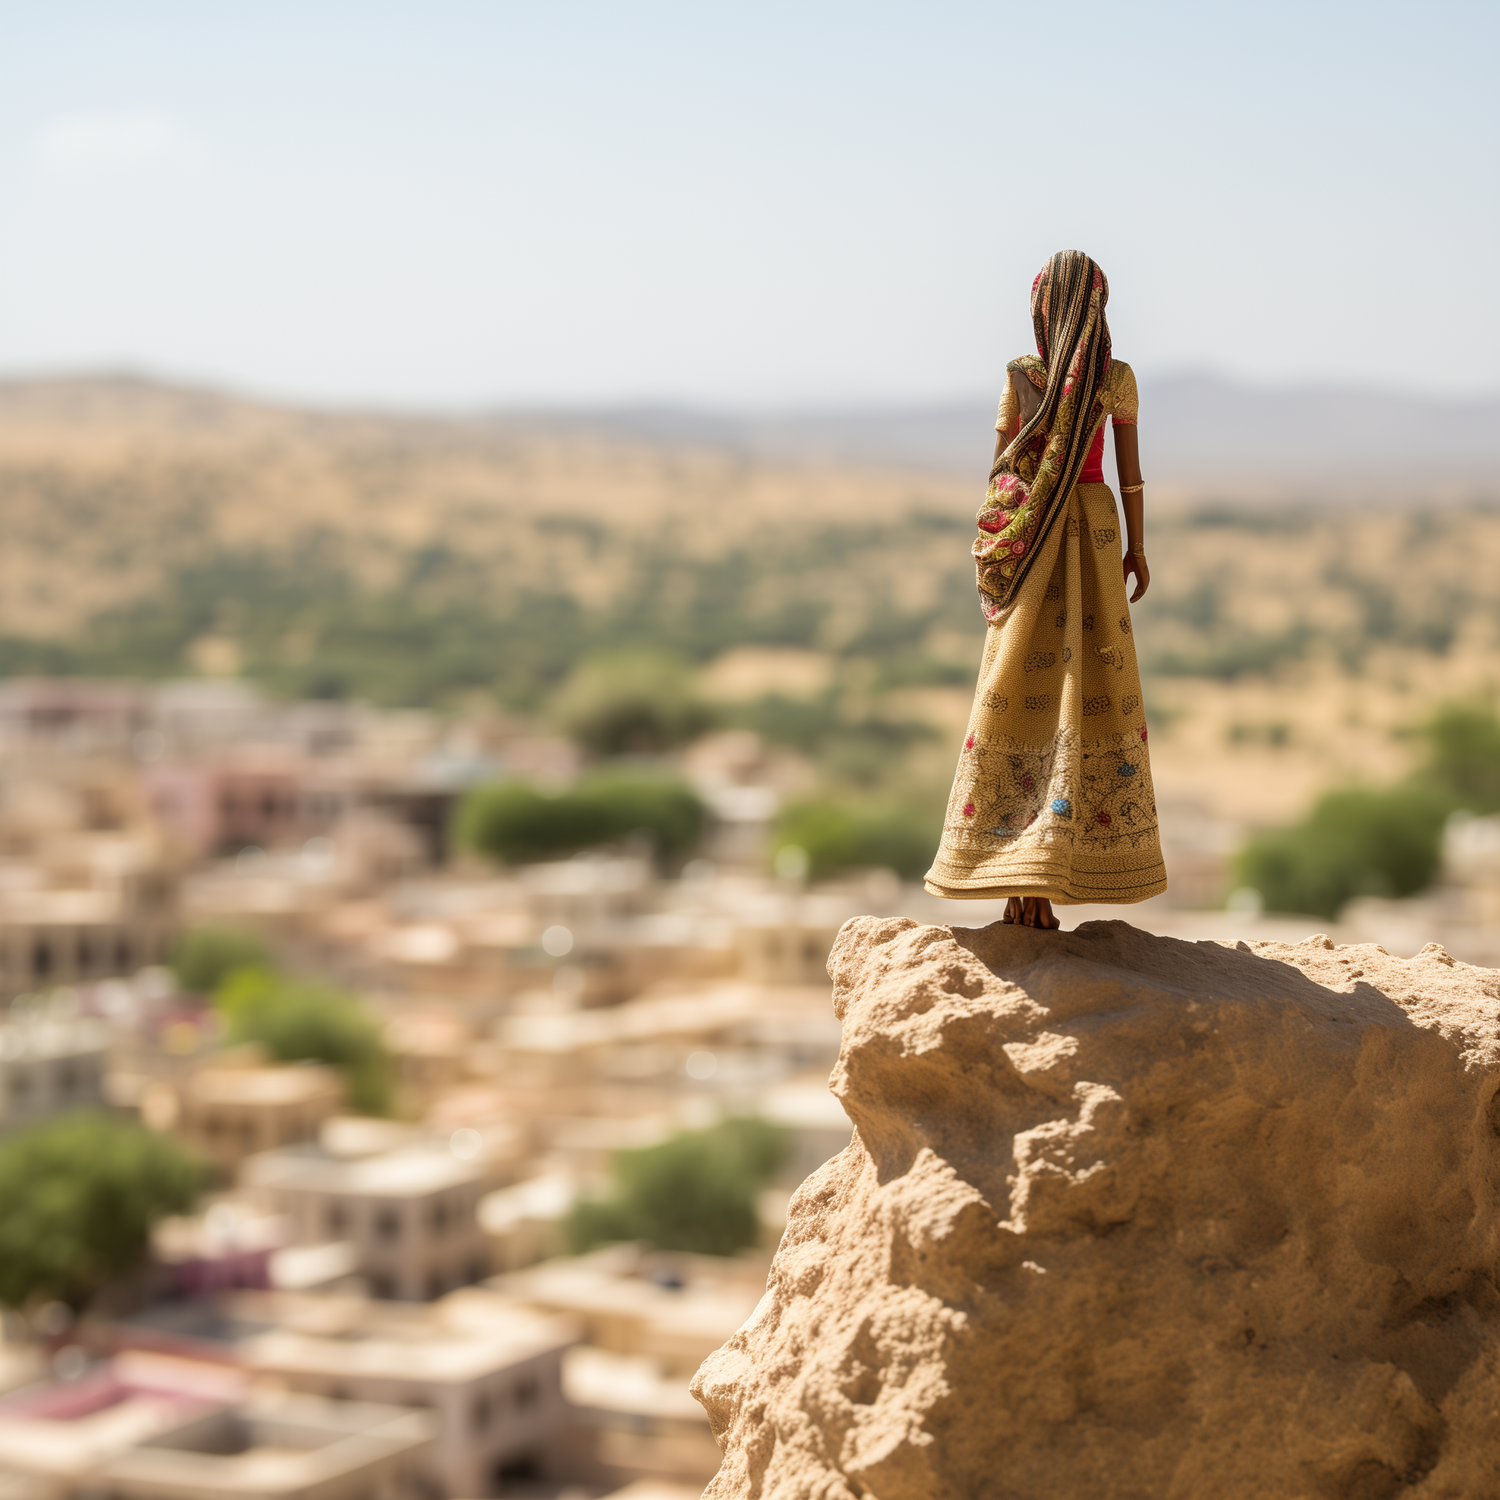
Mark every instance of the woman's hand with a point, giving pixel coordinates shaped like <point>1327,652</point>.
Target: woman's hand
<point>1128,460</point>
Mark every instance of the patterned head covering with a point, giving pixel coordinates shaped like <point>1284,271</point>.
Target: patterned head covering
<point>1033,477</point>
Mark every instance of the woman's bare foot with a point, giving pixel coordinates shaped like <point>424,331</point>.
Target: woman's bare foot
<point>1030,911</point>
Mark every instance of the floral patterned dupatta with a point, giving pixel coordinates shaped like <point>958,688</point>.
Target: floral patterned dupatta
<point>1034,476</point>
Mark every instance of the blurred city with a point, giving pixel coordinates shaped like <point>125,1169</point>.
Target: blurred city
<point>486,592</point>
<point>412,1095</point>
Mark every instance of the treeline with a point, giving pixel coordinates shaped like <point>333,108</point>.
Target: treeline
<point>1243,591</point>
<point>306,626</point>
<point>1237,593</point>
<point>1381,841</point>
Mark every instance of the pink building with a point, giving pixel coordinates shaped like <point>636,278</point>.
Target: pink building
<point>224,806</point>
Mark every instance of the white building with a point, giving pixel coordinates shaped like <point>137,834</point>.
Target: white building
<point>648,1322</point>
<point>57,1433</point>
<point>487,1370</point>
<point>275,1444</point>
<point>49,1064</point>
<point>146,1426</point>
<point>409,1211</point>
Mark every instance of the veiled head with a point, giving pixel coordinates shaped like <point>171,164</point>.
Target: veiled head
<point>1057,283</point>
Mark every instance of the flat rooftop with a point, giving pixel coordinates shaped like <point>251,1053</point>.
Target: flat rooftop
<point>271,1443</point>
<point>62,1428</point>
<point>294,1083</point>
<point>459,1338</point>
<point>411,1171</point>
<point>29,1040</point>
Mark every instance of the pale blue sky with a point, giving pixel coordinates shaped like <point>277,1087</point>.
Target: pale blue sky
<point>451,202</point>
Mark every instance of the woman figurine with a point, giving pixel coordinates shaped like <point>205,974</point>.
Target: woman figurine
<point>1052,800</point>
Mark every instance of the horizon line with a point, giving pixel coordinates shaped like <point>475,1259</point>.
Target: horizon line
<point>676,404</point>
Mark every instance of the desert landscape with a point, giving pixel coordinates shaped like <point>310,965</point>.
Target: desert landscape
<point>488,626</point>
<point>1289,645</point>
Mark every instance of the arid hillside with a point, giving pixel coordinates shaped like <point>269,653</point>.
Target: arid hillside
<point>108,487</point>
<point>153,531</point>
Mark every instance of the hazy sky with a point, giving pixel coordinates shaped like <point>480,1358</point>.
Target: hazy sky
<point>446,201</point>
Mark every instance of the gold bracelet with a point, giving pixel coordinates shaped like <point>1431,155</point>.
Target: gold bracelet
<point>1132,489</point>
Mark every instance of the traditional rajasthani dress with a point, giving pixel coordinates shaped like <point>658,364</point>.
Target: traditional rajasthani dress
<point>1053,793</point>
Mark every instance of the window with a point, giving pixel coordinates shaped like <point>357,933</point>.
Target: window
<point>479,1413</point>
<point>388,1224</point>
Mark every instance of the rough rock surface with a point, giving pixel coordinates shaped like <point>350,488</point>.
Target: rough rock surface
<point>1131,1217</point>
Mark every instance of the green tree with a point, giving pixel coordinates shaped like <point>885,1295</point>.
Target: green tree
<point>1380,842</point>
<point>1353,843</point>
<point>80,1194</point>
<point>1464,757</point>
<point>843,835</point>
<point>695,1192</point>
<point>303,1021</point>
<point>203,957</point>
<point>630,703</point>
<point>513,821</point>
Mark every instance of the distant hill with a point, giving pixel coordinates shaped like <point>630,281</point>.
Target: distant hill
<point>1200,433</point>
<point>115,491</point>
<point>148,529</point>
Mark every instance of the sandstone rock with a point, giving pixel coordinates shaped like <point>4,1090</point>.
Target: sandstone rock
<point>1131,1217</point>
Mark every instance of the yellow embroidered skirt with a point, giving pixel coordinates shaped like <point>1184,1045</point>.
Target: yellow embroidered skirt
<point>1053,791</point>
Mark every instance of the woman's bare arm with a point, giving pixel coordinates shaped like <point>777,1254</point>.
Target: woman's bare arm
<point>1003,437</point>
<point>1128,462</point>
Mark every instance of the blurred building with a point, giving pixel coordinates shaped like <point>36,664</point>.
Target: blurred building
<point>648,1321</point>
<point>88,889</point>
<point>656,1489</point>
<point>787,941</point>
<point>226,1113</point>
<point>526,1222</point>
<point>1471,867</point>
<point>541,1018</point>
<point>50,1063</point>
<point>226,769</point>
<point>1199,849</point>
<point>75,716</point>
<point>225,1249</point>
<point>407,1208</point>
<point>57,1435</point>
<point>488,1372</point>
<point>1461,912</point>
<point>228,804</point>
<point>271,1443</point>
<point>231,1247</point>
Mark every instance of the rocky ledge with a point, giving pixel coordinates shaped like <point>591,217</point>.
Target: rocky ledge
<point>1131,1217</point>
